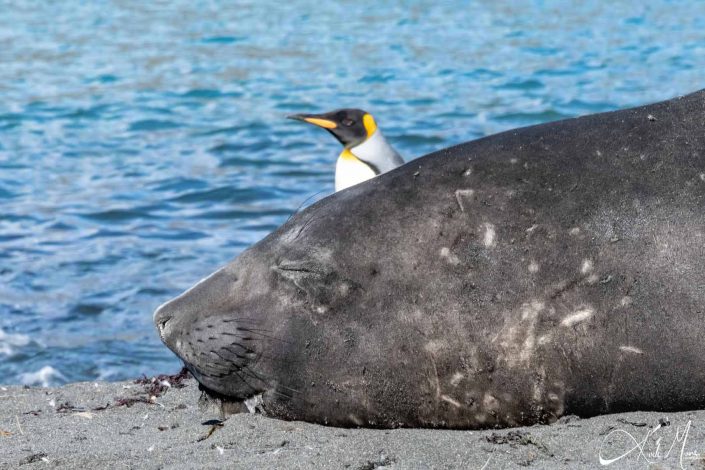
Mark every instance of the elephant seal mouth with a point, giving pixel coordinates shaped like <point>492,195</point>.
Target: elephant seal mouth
<point>222,355</point>
<point>227,405</point>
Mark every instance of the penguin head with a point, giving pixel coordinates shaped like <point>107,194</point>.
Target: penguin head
<point>350,126</point>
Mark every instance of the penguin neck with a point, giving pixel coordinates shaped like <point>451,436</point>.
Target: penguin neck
<point>350,170</point>
<point>377,153</point>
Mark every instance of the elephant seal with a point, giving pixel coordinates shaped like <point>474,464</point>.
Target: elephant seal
<point>550,270</point>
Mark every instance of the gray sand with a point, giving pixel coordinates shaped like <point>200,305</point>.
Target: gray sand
<point>61,427</point>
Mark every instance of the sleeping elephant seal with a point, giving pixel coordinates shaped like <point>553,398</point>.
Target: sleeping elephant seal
<point>507,281</point>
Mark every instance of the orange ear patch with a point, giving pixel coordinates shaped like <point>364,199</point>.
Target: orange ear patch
<point>370,124</point>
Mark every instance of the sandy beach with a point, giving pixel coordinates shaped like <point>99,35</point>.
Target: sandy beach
<point>154,426</point>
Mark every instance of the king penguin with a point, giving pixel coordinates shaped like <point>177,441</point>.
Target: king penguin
<point>366,152</point>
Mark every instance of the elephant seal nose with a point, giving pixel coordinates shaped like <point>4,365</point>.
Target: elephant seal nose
<point>173,318</point>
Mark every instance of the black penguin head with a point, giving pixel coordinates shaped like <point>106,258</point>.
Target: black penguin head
<point>350,126</point>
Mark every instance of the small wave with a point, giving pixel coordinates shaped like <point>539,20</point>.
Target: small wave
<point>241,214</point>
<point>223,39</point>
<point>61,226</point>
<point>87,309</point>
<point>257,163</point>
<point>11,237</point>
<point>266,228</point>
<point>152,125</point>
<point>5,194</point>
<point>420,139</point>
<point>287,174</point>
<point>105,233</point>
<point>208,93</point>
<point>224,193</point>
<point>105,78</point>
<point>521,85</point>
<point>179,184</point>
<point>44,377</point>
<point>92,112</point>
<point>247,148</point>
<point>482,74</point>
<point>183,235</point>
<point>529,118</point>
<point>542,51</point>
<point>251,128</point>
<point>9,342</point>
<point>377,78</point>
<point>116,215</point>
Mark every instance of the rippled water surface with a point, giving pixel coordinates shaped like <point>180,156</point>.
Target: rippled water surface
<point>143,145</point>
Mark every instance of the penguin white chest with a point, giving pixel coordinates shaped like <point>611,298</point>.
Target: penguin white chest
<point>349,171</point>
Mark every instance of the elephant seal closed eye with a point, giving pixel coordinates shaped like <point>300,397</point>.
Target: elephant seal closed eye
<point>507,281</point>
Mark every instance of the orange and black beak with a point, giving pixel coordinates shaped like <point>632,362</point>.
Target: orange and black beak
<point>315,119</point>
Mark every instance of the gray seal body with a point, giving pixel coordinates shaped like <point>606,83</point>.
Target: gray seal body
<point>556,269</point>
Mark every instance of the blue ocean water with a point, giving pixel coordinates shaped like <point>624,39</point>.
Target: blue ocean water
<point>144,144</point>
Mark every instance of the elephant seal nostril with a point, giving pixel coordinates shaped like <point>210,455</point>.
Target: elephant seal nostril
<point>161,319</point>
<point>161,327</point>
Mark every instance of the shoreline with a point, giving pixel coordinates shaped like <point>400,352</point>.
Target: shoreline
<point>99,424</point>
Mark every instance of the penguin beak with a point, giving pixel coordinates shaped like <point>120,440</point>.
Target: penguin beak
<point>315,120</point>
